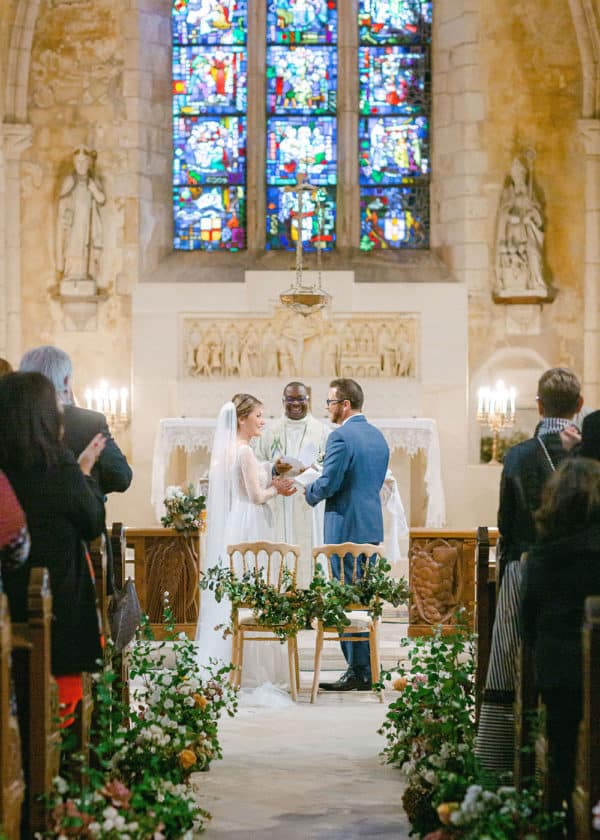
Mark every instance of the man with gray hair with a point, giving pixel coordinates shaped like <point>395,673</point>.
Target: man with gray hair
<point>111,471</point>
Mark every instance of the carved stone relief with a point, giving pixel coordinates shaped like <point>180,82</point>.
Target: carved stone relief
<point>288,345</point>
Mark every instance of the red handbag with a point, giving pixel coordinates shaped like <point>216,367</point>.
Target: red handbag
<point>14,537</point>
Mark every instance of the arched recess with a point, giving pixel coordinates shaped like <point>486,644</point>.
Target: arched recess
<point>587,30</point>
<point>19,58</point>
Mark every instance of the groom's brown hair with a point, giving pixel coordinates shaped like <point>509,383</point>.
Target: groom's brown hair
<point>348,389</point>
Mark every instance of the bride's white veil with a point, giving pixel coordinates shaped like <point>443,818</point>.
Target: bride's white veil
<point>210,643</point>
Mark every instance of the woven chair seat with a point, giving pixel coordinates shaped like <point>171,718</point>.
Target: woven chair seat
<point>359,620</point>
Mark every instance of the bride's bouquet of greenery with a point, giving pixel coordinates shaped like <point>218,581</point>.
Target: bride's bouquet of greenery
<point>185,510</point>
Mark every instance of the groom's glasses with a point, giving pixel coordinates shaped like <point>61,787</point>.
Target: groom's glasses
<point>290,400</point>
<point>332,402</point>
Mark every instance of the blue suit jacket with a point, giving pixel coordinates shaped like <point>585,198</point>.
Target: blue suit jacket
<point>356,461</point>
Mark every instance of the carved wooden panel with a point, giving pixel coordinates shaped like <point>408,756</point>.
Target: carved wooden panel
<point>441,578</point>
<point>165,561</point>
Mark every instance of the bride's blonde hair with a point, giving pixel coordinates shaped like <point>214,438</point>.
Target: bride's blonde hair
<point>244,405</point>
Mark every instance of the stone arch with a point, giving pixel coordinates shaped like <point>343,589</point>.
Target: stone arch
<point>19,58</point>
<point>587,30</point>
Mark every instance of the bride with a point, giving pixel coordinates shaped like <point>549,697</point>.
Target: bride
<point>237,511</point>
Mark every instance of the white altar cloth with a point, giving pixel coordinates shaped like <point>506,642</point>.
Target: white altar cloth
<point>410,434</point>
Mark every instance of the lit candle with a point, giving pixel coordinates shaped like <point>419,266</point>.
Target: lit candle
<point>124,397</point>
<point>480,401</point>
<point>98,399</point>
<point>88,396</point>
<point>513,401</point>
<point>113,397</point>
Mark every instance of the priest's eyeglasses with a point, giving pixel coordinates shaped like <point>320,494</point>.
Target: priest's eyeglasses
<point>332,402</point>
<point>290,400</point>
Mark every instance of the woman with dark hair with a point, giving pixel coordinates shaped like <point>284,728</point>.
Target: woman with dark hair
<point>239,489</point>
<point>64,509</point>
<point>560,572</point>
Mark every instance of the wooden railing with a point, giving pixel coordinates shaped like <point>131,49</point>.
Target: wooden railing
<point>37,701</point>
<point>587,783</point>
<point>12,785</point>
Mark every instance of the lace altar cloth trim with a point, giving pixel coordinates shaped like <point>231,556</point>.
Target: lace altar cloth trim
<point>411,434</point>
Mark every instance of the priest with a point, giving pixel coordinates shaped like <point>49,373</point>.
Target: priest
<point>295,435</point>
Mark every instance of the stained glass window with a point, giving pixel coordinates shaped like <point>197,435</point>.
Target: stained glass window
<point>301,121</point>
<point>395,96</point>
<point>209,124</point>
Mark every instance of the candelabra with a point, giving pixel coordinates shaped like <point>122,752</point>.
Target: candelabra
<point>496,409</point>
<point>112,402</point>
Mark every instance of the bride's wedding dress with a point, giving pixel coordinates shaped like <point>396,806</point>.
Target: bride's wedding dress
<point>238,511</point>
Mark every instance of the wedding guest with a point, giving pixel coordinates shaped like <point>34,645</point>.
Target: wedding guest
<point>559,574</point>
<point>64,509</point>
<point>111,471</point>
<point>14,536</point>
<point>5,367</point>
<point>527,467</point>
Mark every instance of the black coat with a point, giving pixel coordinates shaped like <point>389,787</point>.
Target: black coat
<point>526,470</point>
<point>64,508</point>
<point>111,471</point>
<point>558,577</point>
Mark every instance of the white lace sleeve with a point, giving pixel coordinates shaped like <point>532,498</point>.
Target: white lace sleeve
<point>250,467</point>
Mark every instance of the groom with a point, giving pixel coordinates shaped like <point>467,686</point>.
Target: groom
<point>356,461</point>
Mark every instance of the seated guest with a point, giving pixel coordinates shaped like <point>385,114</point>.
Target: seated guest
<point>111,471</point>
<point>560,572</point>
<point>64,509</point>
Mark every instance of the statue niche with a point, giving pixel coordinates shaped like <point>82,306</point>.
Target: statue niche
<point>519,263</point>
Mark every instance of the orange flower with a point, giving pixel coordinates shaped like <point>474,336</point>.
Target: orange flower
<point>187,759</point>
<point>399,683</point>
<point>445,810</point>
<point>200,701</point>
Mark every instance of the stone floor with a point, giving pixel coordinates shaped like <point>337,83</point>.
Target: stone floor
<point>304,772</point>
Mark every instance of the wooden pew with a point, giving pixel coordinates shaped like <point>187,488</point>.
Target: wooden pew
<point>12,785</point>
<point>119,548</point>
<point>587,782</point>
<point>164,560</point>
<point>37,700</point>
<point>442,573</point>
<point>485,607</point>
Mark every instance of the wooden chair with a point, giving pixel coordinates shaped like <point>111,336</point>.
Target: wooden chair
<point>250,557</point>
<point>37,700</point>
<point>587,781</point>
<point>12,786</point>
<point>360,620</point>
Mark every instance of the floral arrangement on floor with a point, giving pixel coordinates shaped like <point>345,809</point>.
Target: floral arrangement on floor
<point>289,609</point>
<point>139,787</point>
<point>430,734</point>
<point>185,510</point>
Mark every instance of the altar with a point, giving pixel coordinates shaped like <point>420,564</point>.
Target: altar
<point>409,434</point>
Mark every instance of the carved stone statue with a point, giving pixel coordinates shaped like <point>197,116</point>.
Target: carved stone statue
<point>79,225</point>
<point>520,235</point>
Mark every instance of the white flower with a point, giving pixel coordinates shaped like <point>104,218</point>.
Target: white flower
<point>110,813</point>
<point>94,828</point>
<point>60,784</point>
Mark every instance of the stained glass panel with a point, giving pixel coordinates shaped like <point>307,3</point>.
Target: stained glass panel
<point>317,226</point>
<point>209,150</point>
<point>299,145</point>
<point>209,80</point>
<point>393,80</point>
<point>394,217</point>
<point>394,21</point>
<point>301,80</point>
<point>301,21</point>
<point>391,150</point>
<point>209,22</point>
<point>209,218</point>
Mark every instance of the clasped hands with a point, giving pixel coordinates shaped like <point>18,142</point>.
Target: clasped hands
<point>91,453</point>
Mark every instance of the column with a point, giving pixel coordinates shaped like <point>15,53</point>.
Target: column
<point>590,134</point>
<point>17,138</point>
